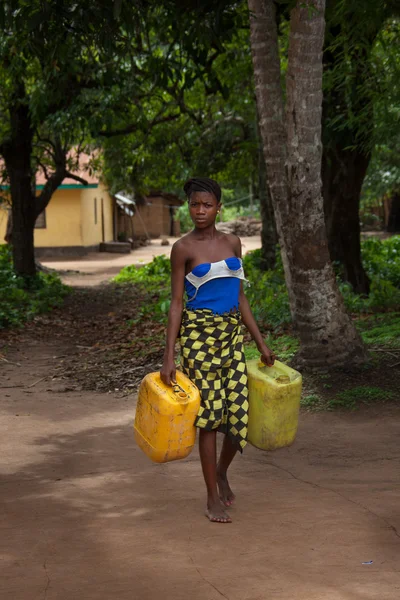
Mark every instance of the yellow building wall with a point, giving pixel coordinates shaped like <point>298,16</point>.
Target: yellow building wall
<point>108,216</point>
<point>96,205</point>
<point>70,219</point>
<point>63,220</point>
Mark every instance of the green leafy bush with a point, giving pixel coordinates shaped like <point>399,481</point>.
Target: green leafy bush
<point>154,280</point>
<point>381,259</point>
<point>269,300</point>
<point>186,223</point>
<point>267,292</point>
<point>19,304</point>
<point>155,272</point>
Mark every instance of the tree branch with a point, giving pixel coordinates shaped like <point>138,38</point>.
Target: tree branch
<point>134,126</point>
<point>44,169</point>
<point>75,177</point>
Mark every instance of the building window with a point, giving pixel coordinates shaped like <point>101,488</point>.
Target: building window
<point>95,211</point>
<point>41,221</point>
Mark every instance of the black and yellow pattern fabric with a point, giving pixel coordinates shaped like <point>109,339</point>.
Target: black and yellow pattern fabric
<point>212,357</point>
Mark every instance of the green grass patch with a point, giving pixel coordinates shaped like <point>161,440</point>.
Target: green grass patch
<point>353,397</point>
<point>381,329</point>
<point>19,304</point>
<point>284,346</point>
<point>311,402</point>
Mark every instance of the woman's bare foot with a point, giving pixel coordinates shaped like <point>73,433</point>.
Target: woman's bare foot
<point>216,513</point>
<point>225,493</point>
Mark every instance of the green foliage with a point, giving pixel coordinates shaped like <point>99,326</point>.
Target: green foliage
<point>157,272</point>
<point>268,296</point>
<point>383,296</point>
<point>284,347</point>
<point>269,300</point>
<point>311,401</point>
<point>383,173</point>
<point>381,259</point>
<point>19,304</point>
<point>380,330</point>
<point>352,397</point>
<point>185,221</point>
<point>154,280</point>
<point>348,399</point>
<point>232,212</point>
<point>206,123</point>
<point>267,292</point>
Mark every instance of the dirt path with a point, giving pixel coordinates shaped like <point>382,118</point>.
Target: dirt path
<point>86,516</point>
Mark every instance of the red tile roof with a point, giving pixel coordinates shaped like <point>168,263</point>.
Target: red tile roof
<point>84,160</point>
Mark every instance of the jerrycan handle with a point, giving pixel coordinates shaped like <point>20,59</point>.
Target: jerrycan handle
<point>262,365</point>
<point>180,392</point>
<point>283,379</point>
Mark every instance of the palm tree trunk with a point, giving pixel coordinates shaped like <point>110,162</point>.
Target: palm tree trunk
<point>327,334</point>
<point>269,237</point>
<point>267,77</point>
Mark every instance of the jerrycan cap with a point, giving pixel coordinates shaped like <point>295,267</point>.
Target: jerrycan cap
<point>180,392</point>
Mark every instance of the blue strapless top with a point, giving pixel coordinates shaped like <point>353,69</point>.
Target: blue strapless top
<point>215,286</point>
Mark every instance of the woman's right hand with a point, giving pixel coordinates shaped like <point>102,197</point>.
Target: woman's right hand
<point>168,371</point>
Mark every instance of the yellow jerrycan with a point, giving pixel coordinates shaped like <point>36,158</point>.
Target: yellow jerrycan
<point>164,422</point>
<point>274,403</point>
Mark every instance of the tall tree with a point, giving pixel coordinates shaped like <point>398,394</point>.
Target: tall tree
<point>269,236</point>
<point>292,150</point>
<point>352,87</point>
<point>49,57</point>
<point>382,182</point>
<point>65,64</point>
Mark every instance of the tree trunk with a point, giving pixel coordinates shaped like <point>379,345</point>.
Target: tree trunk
<point>269,237</point>
<point>267,78</point>
<point>17,157</point>
<point>393,225</point>
<point>347,148</point>
<point>327,334</point>
<point>343,173</point>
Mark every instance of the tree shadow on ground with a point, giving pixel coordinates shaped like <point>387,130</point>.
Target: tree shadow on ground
<point>95,519</point>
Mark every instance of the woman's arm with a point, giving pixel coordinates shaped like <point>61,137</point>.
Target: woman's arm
<point>267,356</point>
<point>168,369</point>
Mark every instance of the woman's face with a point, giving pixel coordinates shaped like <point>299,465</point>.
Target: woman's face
<point>203,209</point>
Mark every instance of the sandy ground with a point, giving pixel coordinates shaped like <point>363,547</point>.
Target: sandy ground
<point>97,267</point>
<point>85,515</point>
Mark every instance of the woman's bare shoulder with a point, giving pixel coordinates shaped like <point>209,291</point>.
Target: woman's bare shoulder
<point>182,246</point>
<point>234,242</point>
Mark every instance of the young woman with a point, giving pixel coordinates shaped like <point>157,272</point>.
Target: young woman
<point>206,264</point>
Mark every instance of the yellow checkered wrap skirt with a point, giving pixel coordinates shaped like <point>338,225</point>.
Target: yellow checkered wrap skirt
<point>212,357</point>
